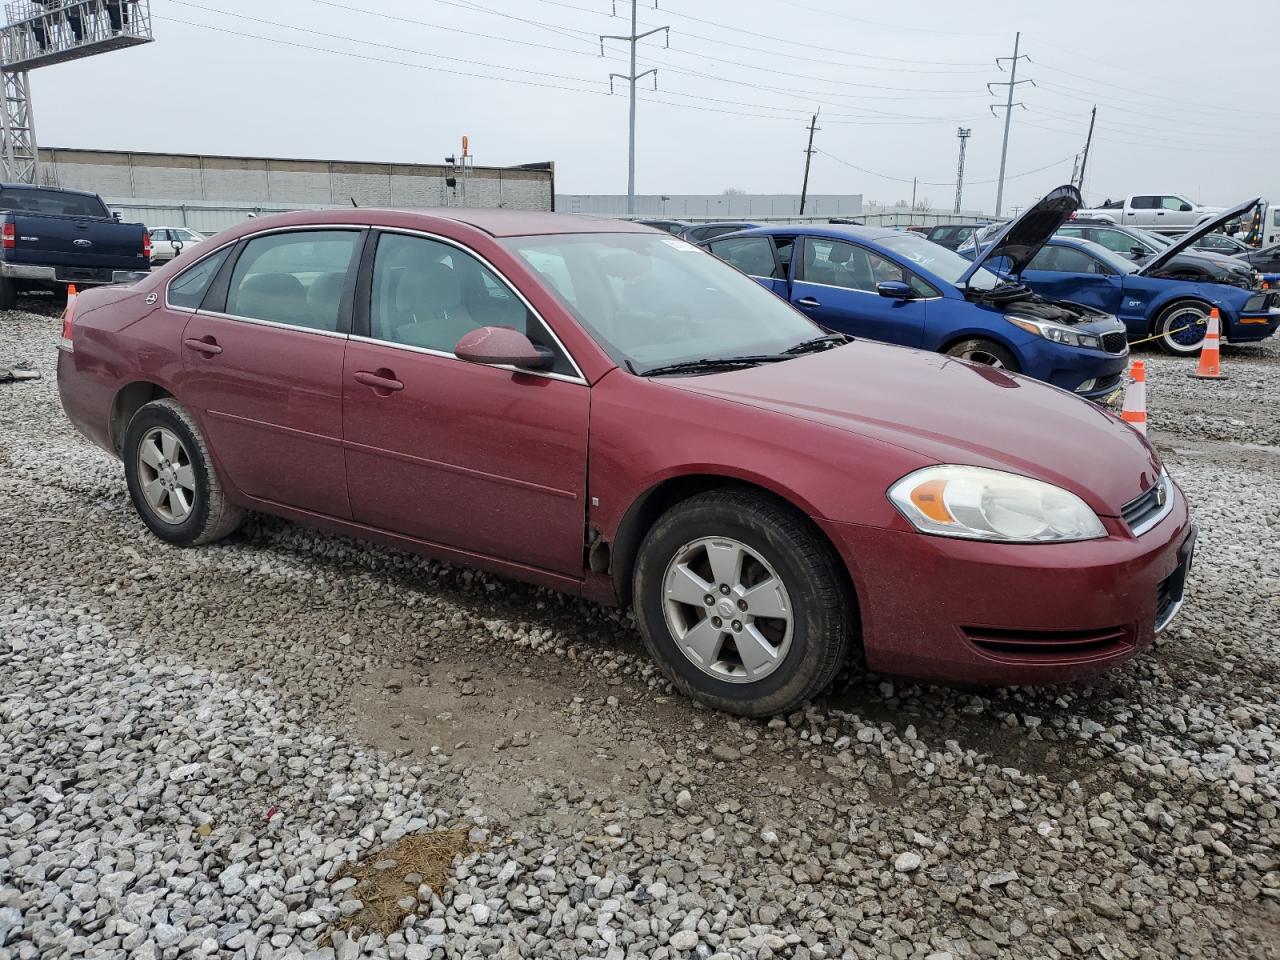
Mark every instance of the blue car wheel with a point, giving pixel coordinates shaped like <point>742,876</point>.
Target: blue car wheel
<point>1181,328</point>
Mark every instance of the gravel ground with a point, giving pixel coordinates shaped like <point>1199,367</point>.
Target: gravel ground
<point>220,752</point>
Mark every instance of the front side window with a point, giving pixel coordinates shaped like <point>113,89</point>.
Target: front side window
<point>1275,217</point>
<point>752,255</point>
<point>296,278</point>
<point>1173,203</point>
<point>650,300</point>
<point>430,294</point>
<point>1117,241</point>
<point>188,288</point>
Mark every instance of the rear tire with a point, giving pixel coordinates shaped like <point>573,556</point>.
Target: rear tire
<point>781,616</point>
<point>8,294</point>
<point>1172,338</point>
<point>172,480</point>
<point>987,352</point>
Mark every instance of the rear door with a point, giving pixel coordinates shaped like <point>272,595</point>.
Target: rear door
<point>262,366</point>
<point>483,459</point>
<point>1141,211</point>
<point>1065,273</point>
<point>835,285</point>
<point>757,258</point>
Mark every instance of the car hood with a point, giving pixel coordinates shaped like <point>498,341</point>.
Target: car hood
<point>951,411</point>
<point>1022,238</point>
<point>1190,237</point>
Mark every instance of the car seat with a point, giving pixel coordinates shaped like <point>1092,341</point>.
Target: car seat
<point>324,297</point>
<point>272,296</point>
<point>429,303</point>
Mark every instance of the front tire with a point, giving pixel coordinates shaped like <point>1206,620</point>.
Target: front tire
<point>172,480</point>
<point>987,352</point>
<point>1180,328</point>
<point>742,604</point>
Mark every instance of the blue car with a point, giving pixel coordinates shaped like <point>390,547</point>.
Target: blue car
<point>901,288</point>
<point>1174,312</point>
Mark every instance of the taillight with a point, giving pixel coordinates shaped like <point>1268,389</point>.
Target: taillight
<point>146,246</point>
<point>9,235</point>
<point>68,321</point>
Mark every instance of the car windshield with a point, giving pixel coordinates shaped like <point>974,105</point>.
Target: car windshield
<point>942,263</point>
<point>1112,259</point>
<point>651,300</point>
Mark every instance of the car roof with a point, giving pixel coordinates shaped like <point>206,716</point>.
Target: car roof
<point>494,222</point>
<point>835,232</point>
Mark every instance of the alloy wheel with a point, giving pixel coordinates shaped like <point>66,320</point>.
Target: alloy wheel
<point>166,475</point>
<point>727,609</point>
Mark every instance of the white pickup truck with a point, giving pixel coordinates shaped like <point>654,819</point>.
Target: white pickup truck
<point>1162,212</point>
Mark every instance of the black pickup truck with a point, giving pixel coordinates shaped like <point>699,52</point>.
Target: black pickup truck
<point>50,237</point>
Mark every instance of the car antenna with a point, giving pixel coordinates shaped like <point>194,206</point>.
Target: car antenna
<point>353,202</point>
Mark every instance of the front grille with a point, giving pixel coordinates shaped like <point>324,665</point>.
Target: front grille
<point>1145,511</point>
<point>1051,644</point>
<point>1115,342</point>
<point>1106,383</point>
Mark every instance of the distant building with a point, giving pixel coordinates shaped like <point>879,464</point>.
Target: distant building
<point>713,206</point>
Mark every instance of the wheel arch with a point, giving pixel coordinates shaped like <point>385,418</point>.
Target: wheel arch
<point>982,334</point>
<point>127,401</point>
<point>649,506</point>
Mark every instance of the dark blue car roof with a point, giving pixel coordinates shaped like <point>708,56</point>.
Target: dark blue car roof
<point>835,232</point>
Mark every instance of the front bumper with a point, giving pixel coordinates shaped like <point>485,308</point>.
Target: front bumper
<point>1092,374</point>
<point>966,612</point>
<point>1252,326</point>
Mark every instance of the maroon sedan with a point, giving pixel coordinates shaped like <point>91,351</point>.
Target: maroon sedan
<point>604,409</point>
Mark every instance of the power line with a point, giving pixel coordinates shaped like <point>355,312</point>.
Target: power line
<point>880,23</point>
<point>938,183</point>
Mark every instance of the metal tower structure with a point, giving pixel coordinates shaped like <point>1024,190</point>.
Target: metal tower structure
<point>963,133</point>
<point>633,38</point>
<point>40,33</point>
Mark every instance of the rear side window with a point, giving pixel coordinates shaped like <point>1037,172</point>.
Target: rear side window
<point>751,255</point>
<point>1144,203</point>
<point>295,278</point>
<point>188,288</point>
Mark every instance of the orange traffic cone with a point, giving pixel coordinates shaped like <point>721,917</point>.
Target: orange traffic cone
<point>1210,366</point>
<point>71,293</point>
<point>1134,409</point>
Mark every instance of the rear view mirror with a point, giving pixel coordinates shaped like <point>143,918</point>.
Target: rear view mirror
<point>502,346</point>
<point>894,288</point>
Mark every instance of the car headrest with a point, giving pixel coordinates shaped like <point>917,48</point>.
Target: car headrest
<point>839,253</point>
<point>271,296</point>
<point>429,290</point>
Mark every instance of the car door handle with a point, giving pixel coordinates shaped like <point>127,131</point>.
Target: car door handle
<point>206,345</point>
<point>382,380</point>
<point>807,302</point>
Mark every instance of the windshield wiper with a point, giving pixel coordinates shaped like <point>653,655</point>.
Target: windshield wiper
<point>819,343</point>
<point>715,363</point>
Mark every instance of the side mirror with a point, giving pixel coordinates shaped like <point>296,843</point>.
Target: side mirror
<point>116,216</point>
<point>1138,251</point>
<point>894,288</point>
<point>1185,208</point>
<point>502,346</point>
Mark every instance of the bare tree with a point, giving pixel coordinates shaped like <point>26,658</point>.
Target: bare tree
<point>733,192</point>
<point>923,204</point>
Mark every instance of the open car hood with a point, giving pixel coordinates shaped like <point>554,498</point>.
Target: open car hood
<point>1187,239</point>
<point>1022,238</point>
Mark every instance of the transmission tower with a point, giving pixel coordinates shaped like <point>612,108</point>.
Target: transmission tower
<point>633,38</point>
<point>1008,105</point>
<point>963,133</point>
<point>44,32</point>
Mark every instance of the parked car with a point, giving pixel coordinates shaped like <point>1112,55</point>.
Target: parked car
<point>1175,312</point>
<point>52,237</point>
<point>900,288</point>
<point>1155,211</point>
<point>705,231</point>
<point>595,407</point>
<point>168,242</point>
<point>1141,246</point>
<point>951,235</point>
<point>1266,260</point>
<point>1222,244</point>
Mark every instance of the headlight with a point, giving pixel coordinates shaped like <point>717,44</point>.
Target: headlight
<point>1057,332</point>
<point>980,504</point>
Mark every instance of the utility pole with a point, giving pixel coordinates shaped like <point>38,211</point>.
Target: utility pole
<point>963,133</point>
<point>1008,110</point>
<point>808,156</point>
<point>1093,115</point>
<point>633,38</point>
<point>914,180</point>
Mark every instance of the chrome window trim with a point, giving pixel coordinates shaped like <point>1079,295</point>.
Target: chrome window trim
<point>869,293</point>
<point>205,255</point>
<point>426,234</point>
<point>445,355</point>
<point>271,323</point>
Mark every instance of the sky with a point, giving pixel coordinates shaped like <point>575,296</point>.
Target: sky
<point>391,80</point>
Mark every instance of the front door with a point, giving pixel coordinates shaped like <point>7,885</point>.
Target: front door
<point>483,459</point>
<point>1059,272</point>
<point>262,366</point>
<point>836,285</point>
